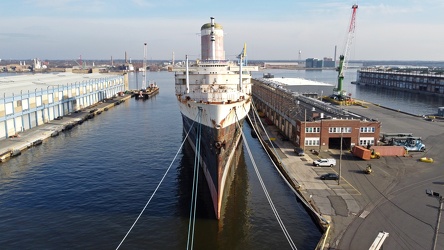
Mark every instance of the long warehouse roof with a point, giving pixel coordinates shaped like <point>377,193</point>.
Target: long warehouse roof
<point>10,85</point>
<point>295,82</point>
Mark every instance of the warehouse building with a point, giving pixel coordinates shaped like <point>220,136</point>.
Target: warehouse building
<point>30,100</point>
<point>310,123</point>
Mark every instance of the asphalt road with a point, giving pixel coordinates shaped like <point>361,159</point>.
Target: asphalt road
<point>393,198</point>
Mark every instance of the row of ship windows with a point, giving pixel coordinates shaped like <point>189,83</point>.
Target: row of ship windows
<point>340,129</point>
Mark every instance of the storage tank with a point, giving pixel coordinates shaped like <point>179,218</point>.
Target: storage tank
<point>212,41</point>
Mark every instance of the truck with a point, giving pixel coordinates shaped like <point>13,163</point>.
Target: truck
<point>409,143</point>
<point>415,145</point>
<point>329,162</point>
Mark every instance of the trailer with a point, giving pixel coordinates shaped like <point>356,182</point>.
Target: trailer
<point>389,150</point>
<point>386,137</point>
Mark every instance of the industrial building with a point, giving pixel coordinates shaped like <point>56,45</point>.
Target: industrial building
<point>30,100</point>
<point>420,80</point>
<point>314,63</point>
<point>308,122</point>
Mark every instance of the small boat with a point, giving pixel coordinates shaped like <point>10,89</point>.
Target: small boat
<point>426,159</point>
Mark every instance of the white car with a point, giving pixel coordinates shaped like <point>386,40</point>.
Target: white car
<point>324,163</point>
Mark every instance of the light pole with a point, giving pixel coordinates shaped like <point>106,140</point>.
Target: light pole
<point>340,161</point>
<point>441,201</point>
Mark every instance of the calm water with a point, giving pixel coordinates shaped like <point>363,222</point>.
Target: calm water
<point>84,188</point>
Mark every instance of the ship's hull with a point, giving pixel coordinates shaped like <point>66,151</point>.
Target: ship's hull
<point>219,148</point>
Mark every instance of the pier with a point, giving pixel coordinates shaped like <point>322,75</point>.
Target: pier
<point>15,145</point>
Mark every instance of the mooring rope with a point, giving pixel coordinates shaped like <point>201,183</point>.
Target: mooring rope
<point>193,203</point>
<point>158,185</point>
<point>264,188</point>
<point>279,171</point>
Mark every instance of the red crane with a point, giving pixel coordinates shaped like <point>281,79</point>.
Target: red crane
<point>343,59</point>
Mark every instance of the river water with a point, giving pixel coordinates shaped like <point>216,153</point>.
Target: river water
<point>85,188</point>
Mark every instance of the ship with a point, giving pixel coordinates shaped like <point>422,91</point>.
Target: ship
<point>214,97</point>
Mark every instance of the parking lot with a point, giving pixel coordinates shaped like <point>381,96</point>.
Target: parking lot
<point>391,199</point>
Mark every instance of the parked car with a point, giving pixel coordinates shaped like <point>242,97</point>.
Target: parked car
<point>329,176</point>
<point>299,151</point>
<point>324,162</point>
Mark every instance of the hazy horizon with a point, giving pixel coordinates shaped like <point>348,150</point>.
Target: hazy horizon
<point>396,30</point>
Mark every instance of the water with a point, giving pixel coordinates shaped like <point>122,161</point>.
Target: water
<point>405,101</point>
<point>84,188</point>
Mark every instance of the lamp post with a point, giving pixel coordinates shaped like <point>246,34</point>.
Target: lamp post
<point>340,160</point>
<point>441,201</point>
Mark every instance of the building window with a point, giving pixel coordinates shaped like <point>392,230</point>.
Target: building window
<point>339,129</point>
<point>312,130</point>
<point>367,129</point>
<point>365,142</point>
<point>311,141</point>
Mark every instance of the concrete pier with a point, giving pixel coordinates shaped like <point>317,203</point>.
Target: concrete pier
<point>15,145</point>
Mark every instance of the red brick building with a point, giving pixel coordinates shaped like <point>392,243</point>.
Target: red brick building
<point>310,123</point>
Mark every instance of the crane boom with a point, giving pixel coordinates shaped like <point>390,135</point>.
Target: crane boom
<point>343,59</point>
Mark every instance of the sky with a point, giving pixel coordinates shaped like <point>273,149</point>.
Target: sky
<point>272,30</point>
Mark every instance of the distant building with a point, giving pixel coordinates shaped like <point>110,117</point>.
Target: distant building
<point>313,63</point>
<point>328,62</point>
<point>281,65</point>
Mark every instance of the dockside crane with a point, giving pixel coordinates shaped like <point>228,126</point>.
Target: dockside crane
<point>343,59</point>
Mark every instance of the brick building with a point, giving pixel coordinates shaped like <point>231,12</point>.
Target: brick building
<point>310,123</point>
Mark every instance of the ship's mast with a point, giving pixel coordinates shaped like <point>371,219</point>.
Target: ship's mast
<point>144,66</point>
<point>187,74</point>
<point>213,40</point>
<point>242,57</point>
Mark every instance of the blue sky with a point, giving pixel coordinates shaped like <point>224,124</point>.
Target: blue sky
<point>273,30</point>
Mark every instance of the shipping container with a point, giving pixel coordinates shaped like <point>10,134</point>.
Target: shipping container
<point>361,152</point>
<point>389,150</point>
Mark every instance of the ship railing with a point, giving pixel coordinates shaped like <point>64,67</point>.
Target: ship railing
<point>216,97</point>
<point>209,62</point>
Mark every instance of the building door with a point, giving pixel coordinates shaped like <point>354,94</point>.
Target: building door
<point>335,143</point>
